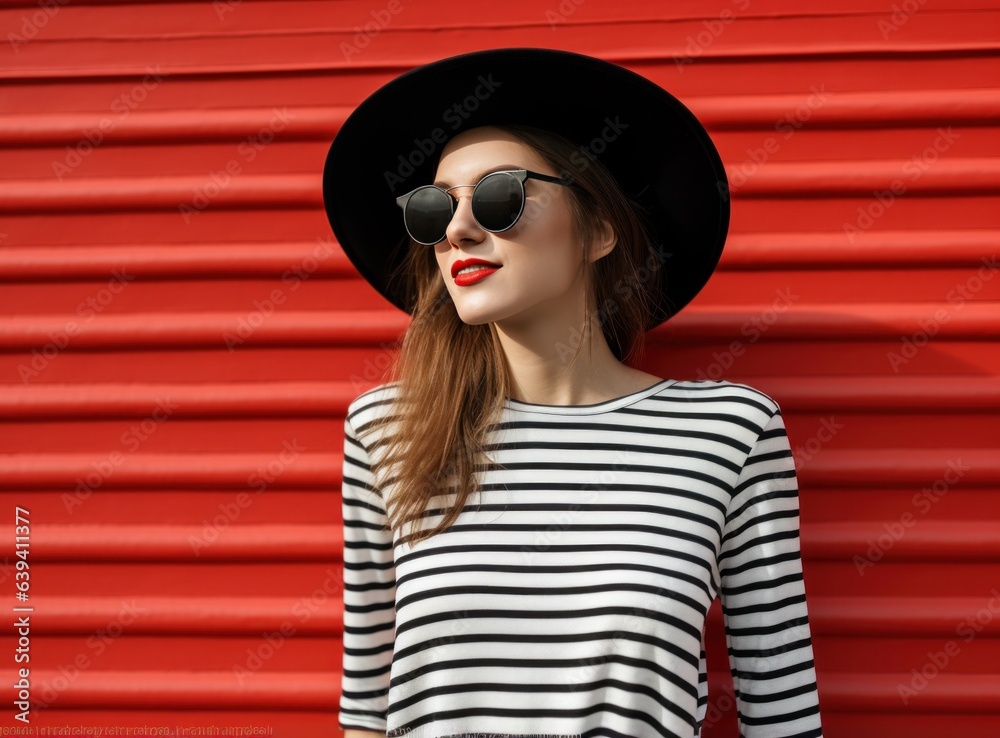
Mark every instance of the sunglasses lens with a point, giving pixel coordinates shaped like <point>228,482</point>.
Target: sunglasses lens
<point>497,201</point>
<point>427,215</point>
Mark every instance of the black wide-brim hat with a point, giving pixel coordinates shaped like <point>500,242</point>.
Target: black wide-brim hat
<point>657,150</point>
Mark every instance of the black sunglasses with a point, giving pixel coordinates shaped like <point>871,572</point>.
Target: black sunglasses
<point>497,204</point>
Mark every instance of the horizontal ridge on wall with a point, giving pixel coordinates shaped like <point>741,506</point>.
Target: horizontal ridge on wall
<point>875,692</point>
<point>323,257</point>
<point>845,109</point>
<point>193,615</point>
<point>812,49</point>
<point>80,473</point>
<point>851,321</point>
<point>165,127</point>
<point>204,615</point>
<point>851,178</point>
<point>849,109</point>
<point>645,11</point>
<point>112,194</point>
<point>204,328</point>
<point>872,394</point>
<point>813,321</point>
<point>105,689</point>
<point>169,542</point>
<point>931,540</point>
<point>898,468</point>
<point>266,689</point>
<point>89,400</point>
<point>829,249</point>
<point>814,179</point>
<point>972,540</point>
<point>888,467</point>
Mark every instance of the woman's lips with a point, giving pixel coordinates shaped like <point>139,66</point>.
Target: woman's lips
<point>466,278</point>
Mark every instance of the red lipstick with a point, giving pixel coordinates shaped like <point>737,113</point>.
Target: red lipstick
<point>473,276</point>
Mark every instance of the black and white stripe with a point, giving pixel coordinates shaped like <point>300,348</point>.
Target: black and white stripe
<point>569,598</point>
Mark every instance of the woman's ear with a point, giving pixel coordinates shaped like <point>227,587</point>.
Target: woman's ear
<point>605,240</point>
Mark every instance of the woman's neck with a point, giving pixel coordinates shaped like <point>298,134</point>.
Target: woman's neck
<point>544,371</point>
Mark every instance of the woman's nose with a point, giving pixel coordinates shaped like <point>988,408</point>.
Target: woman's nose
<point>463,226</point>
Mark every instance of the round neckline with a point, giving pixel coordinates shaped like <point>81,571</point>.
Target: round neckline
<point>598,407</point>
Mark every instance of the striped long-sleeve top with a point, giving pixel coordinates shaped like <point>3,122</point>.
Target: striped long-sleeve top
<point>570,596</point>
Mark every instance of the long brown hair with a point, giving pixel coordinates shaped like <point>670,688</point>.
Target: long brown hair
<point>453,377</point>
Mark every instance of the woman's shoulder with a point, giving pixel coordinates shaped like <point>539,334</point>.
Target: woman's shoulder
<point>723,391</point>
<point>372,402</point>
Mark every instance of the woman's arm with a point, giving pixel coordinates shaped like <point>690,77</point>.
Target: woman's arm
<point>763,596</point>
<point>354,733</point>
<point>369,593</point>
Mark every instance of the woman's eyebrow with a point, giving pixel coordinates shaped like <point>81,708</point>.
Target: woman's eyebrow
<point>499,168</point>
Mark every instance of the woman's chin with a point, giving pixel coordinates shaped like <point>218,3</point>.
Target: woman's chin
<point>478,312</point>
<point>475,317</point>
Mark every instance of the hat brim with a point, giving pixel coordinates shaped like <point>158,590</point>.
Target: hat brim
<point>657,150</point>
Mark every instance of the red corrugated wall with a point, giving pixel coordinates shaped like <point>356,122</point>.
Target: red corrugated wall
<point>180,335</point>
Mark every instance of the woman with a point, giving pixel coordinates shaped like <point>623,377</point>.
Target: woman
<point>534,529</point>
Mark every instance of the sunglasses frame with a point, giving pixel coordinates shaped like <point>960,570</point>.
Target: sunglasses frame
<point>519,175</point>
